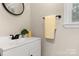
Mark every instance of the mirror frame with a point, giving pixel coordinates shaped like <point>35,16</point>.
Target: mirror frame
<point>12,12</point>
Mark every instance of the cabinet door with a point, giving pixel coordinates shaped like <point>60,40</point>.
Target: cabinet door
<point>18,51</point>
<point>35,48</point>
<point>35,52</point>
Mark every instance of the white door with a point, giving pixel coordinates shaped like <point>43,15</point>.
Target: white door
<point>35,48</point>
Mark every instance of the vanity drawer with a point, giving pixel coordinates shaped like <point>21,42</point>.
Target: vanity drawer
<point>18,51</point>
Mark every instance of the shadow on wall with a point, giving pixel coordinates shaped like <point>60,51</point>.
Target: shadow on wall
<point>51,41</point>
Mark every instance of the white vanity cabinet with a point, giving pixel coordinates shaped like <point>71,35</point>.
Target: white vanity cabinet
<point>18,51</point>
<point>30,48</point>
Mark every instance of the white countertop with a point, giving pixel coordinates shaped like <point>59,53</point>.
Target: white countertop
<point>6,44</point>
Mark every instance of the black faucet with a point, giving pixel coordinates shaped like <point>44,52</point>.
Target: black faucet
<point>15,36</point>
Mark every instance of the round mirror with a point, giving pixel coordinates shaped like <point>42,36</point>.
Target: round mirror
<point>14,8</point>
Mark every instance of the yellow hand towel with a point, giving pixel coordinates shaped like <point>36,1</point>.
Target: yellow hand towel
<point>50,26</point>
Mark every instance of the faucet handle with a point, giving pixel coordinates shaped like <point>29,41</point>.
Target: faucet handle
<point>17,36</point>
<point>12,37</point>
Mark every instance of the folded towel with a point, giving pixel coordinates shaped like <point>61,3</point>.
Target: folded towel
<point>50,26</point>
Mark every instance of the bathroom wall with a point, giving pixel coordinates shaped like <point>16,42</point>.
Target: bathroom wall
<point>67,39</point>
<point>10,24</point>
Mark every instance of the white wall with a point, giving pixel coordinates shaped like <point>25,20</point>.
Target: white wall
<point>67,40</point>
<point>10,24</point>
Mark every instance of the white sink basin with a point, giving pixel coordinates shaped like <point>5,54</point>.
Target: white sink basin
<point>18,41</point>
<point>8,40</point>
<point>7,43</point>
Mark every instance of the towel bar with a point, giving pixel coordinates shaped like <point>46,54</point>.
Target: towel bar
<point>59,16</point>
